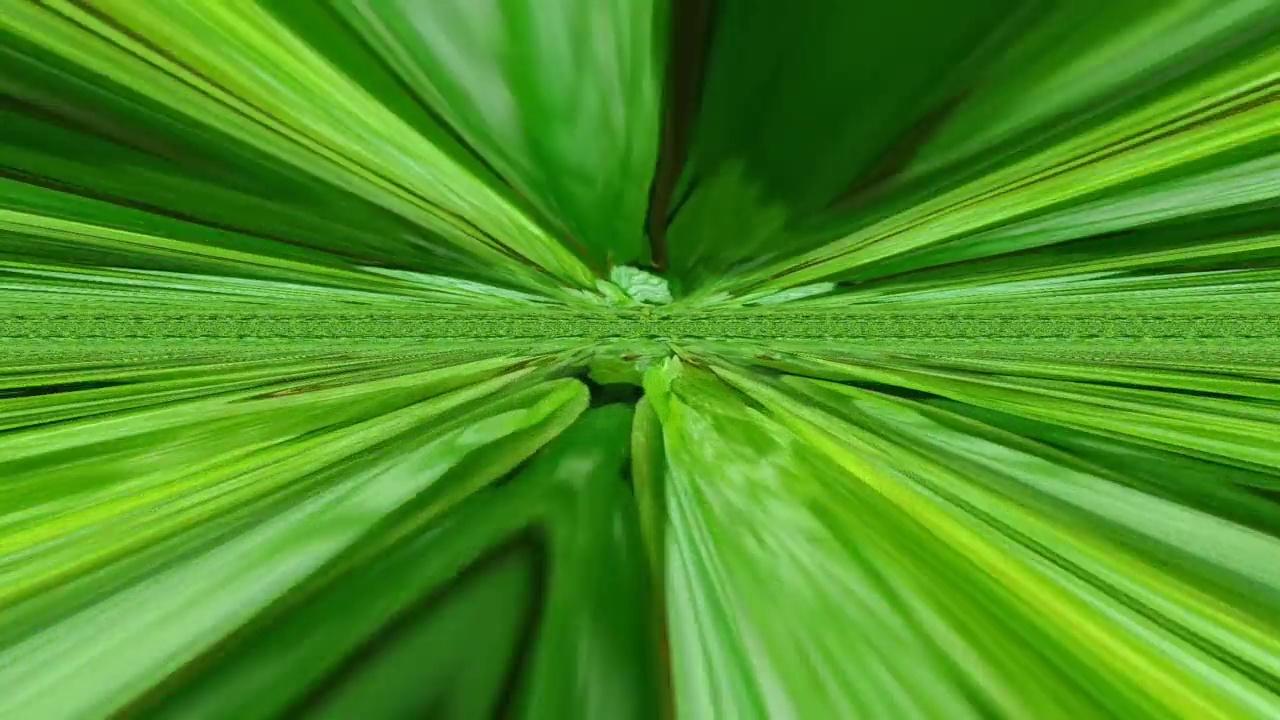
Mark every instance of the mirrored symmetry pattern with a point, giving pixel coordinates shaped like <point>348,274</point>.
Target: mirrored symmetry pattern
<point>652,359</point>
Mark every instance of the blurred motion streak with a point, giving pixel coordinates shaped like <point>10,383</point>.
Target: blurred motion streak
<point>718,359</point>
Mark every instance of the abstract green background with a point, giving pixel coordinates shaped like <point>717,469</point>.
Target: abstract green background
<point>725,359</point>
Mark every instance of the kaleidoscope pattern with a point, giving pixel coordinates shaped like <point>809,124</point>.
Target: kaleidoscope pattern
<point>723,359</point>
